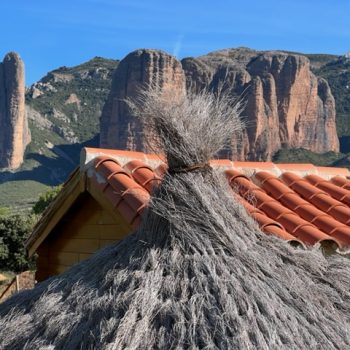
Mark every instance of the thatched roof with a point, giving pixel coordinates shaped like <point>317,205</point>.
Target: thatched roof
<point>188,278</point>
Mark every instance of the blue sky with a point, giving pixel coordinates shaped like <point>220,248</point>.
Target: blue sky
<point>52,33</point>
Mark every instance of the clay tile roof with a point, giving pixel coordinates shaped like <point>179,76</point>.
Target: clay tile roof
<point>143,174</point>
<point>300,203</point>
<point>319,198</point>
<point>292,223</point>
<point>341,182</point>
<point>119,186</point>
<point>290,199</point>
<point>339,193</point>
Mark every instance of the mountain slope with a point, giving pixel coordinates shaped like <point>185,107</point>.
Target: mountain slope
<point>63,110</point>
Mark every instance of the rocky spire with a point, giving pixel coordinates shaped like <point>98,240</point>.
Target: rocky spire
<point>14,132</point>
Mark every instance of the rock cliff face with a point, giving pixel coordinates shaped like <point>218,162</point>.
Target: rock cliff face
<point>137,70</point>
<point>14,132</point>
<point>285,104</point>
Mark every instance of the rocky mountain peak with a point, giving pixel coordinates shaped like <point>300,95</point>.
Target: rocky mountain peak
<point>14,132</point>
<point>118,128</point>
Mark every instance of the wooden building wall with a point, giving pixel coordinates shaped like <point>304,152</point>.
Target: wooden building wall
<point>86,228</point>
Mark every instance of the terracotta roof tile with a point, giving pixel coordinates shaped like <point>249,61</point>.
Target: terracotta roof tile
<point>267,224</point>
<point>120,188</point>
<point>317,197</point>
<point>161,170</point>
<point>339,193</point>
<point>143,174</point>
<point>222,163</point>
<point>293,224</point>
<point>302,210</point>
<point>332,171</point>
<point>326,223</point>
<point>341,182</point>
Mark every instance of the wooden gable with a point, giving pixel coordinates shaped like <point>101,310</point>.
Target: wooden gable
<point>84,229</point>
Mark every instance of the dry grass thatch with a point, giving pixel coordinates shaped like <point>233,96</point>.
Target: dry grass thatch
<point>198,274</point>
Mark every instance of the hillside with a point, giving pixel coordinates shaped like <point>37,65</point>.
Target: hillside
<point>63,109</point>
<point>70,99</point>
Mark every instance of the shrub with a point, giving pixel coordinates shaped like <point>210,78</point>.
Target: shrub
<point>14,230</point>
<point>45,199</point>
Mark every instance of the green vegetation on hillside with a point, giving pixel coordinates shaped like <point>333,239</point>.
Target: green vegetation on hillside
<point>72,98</point>
<point>20,195</point>
<point>319,60</point>
<point>300,155</point>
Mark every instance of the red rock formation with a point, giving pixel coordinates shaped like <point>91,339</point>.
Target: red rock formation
<point>138,69</point>
<point>305,106</point>
<point>286,105</point>
<point>14,132</point>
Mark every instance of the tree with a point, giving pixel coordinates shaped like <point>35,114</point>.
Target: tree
<point>14,230</point>
<point>45,199</point>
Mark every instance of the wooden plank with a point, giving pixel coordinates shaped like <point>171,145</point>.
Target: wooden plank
<point>114,232</point>
<point>56,269</point>
<point>43,250</point>
<point>104,242</point>
<point>106,205</point>
<point>42,260</point>
<point>41,274</point>
<point>94,217</point>
<point>63,258</point>
<point>106,218</point>
<point>64,230</point>
<point>93,231</point>
<point>76,245</point>
<point>84,256</point>
<point>87,231</point>
<point>89,212</point>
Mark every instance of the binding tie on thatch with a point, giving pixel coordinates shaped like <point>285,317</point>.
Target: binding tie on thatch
<point>193,168</point>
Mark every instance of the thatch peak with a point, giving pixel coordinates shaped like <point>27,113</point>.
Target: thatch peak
<point>189,128</point>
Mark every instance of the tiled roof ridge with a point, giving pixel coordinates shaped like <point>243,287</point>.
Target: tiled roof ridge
<point>124,193</point>
<point>155,160</point>
<point>341,182</point>
<point>268,225</point>
<point>337,192</point>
